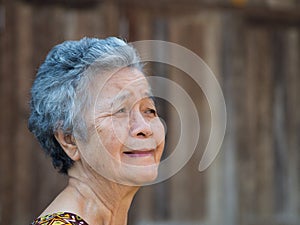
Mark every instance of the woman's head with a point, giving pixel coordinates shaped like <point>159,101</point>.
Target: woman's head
<point>60,91</point>
<point>125,135</point>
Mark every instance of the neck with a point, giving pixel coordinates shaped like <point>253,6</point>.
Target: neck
<point>98,200</point>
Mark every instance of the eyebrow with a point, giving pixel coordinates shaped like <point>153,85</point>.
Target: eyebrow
<point>120,98</point>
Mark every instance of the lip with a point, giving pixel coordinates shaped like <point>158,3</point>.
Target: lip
<point>139,153</point>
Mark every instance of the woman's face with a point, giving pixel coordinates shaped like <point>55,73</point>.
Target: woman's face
<point>126,136</point>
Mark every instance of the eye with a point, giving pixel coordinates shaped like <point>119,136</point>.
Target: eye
<point>122,110</point>
<point>151,112</point>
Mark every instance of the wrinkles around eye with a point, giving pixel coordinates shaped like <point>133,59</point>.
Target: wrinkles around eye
<point>122,110</point>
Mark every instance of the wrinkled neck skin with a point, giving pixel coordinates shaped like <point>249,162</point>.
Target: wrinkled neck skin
<point>94,198</point>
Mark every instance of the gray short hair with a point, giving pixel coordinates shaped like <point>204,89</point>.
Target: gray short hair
<point>58,94</point>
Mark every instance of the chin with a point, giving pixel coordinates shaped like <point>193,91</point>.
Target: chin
<point>139,175</point>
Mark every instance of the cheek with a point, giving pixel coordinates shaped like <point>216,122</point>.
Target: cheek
<point>158,128</point>
<point>159,136</point>
<point>120,129</point>
<point>111,134</point>
<point>158,131</point>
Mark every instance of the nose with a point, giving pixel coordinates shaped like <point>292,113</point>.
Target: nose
<point>139,127</point>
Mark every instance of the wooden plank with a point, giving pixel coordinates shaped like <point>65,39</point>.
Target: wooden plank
<point>140,24</point>
<point>260,118</point>
<point>256,9</point>
<point>7,113</point>
<point>111,18</point>
<point>22,143</point>
<point>281,4</point>
<point>79,4</point>
<point>90,23</point>
<point>292,109</point>
<point>237,155</point>
<point>281,154</point>
<point>100,21</point>
<point>246,131</point>
<point>189,188</point>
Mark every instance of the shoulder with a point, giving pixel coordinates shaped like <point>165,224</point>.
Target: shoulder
<point>60,218</point>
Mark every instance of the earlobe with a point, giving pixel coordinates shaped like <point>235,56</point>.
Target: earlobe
<point>68,144</point>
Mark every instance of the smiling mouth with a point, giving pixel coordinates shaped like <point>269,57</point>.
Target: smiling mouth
<point>139,153</point>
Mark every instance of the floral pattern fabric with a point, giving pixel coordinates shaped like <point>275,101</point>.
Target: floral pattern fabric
<point>62,218</point>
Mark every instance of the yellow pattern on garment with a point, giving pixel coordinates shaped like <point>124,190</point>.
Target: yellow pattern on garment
<point>61,218</point>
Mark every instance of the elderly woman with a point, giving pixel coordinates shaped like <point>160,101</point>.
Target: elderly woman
<point>92,112</point>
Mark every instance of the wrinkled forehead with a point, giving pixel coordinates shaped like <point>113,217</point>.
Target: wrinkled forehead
<point>127,82</point>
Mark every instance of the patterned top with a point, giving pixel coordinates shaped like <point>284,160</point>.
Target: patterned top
<point>61,218</point>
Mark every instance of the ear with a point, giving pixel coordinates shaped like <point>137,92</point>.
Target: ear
<point>68,144</point>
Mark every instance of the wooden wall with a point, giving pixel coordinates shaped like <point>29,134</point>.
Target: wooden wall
<point>252,46</point>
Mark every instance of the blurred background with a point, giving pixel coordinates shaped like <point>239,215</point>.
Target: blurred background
<point>252,46</point>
